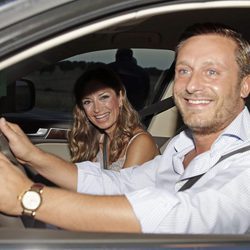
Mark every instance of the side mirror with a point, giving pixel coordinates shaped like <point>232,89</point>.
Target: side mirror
<point>19,97</point>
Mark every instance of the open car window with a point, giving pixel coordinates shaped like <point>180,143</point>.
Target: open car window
<point>54,83</point>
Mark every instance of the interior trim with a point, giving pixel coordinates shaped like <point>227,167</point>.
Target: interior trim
<point>101,24</point>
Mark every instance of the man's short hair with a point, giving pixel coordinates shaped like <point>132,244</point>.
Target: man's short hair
<point>242,54</point>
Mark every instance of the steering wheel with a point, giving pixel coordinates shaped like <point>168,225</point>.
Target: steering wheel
<point>5,220</point>
<point>5,149</point>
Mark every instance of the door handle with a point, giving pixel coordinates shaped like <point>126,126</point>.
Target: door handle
<point>40,132</point>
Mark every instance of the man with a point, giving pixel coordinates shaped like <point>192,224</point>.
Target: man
<point>132,74</point>
<point>211,82</point>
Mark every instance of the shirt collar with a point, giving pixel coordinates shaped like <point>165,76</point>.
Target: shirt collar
<point>184,140</point>
<point>238,129</point>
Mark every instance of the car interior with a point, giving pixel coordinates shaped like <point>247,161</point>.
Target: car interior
<point>35,77</point>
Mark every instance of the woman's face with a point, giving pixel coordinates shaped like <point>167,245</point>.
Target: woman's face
<point>102,108</point>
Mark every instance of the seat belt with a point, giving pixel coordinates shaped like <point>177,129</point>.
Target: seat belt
<point>157,107</point>
<point>163,105</point>
<point>105,161</point>
<point>194,179</point>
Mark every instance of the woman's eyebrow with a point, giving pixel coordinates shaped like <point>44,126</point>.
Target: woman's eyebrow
<point>104,92</point>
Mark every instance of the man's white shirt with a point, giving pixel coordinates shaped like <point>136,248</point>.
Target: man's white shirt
<point>218,203</point>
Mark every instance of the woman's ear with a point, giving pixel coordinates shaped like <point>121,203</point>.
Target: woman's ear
<point>121,97</point>
<point>245,87</point>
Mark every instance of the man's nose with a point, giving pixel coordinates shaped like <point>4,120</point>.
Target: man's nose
<point>194,83</point>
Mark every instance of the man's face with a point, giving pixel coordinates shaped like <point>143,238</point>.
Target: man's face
<point>207,89</point>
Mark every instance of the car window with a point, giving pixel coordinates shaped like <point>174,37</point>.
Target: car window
<point>55,81</point>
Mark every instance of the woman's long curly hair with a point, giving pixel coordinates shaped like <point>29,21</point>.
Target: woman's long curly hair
<point>84,138</point>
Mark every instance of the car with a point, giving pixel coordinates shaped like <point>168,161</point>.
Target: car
<point>44,47</point>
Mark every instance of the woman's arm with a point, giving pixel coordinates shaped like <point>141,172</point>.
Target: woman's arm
<point>55,169</point>
<point>141,149</point>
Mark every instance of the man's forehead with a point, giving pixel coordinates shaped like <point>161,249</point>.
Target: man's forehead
<point>200,43</point>
<point>208,38</point>
<point>205,50</point>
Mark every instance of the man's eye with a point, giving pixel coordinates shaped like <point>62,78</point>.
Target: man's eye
<point>182,71</point>
<point>212,72</point>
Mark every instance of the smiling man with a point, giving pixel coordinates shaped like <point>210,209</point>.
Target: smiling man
<point>199,185</point>
<point>207,86</point>
<point>209,89</point>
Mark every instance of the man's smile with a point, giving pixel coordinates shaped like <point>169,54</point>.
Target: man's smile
<point>195,102</point>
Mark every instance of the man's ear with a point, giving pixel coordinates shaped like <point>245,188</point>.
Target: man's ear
<point>245,87</point>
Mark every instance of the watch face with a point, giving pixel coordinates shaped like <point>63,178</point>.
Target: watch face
<point>31,200</point>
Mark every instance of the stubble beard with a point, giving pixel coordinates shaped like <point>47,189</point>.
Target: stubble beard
<point>201,125</point>
<point>213,121</point>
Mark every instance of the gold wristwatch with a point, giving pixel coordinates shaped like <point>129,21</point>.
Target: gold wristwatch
<point>31,199</point>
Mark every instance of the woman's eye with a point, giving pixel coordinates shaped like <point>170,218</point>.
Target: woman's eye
<point>104,97</point>
<point>85,102</point>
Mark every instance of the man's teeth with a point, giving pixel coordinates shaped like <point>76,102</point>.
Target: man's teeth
<point>198,101</point>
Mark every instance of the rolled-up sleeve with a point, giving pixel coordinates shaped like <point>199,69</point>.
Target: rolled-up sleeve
<point>92,179</point>
<point>151,206</point>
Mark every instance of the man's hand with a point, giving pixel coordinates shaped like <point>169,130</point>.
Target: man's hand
<point>19,143</point>
<point>13,183</point>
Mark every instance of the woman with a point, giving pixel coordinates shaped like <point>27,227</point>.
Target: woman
<point>106,128</point>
